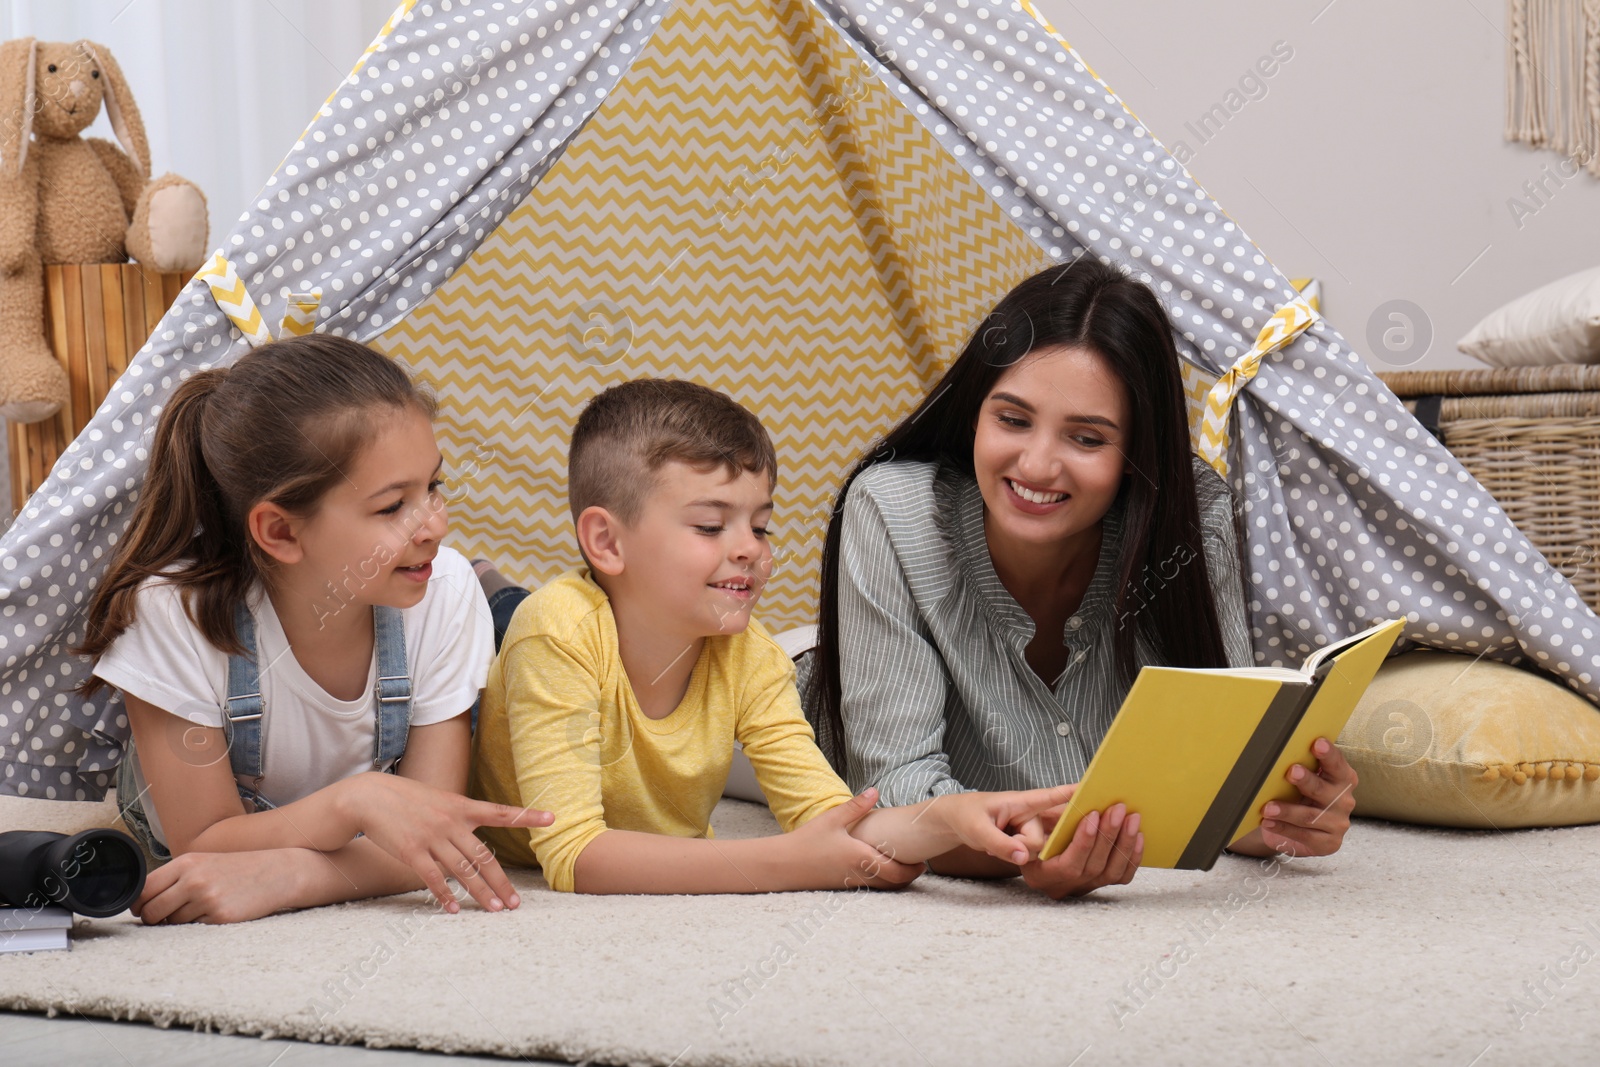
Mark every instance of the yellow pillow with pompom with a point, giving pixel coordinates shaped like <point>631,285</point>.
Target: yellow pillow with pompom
<point>1450,740</point>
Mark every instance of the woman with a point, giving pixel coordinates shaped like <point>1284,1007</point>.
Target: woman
<point>1000,566</point>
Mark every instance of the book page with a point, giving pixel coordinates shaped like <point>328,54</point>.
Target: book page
<point>1326,652</point>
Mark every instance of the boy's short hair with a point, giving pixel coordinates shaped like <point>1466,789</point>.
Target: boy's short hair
<point>628,432</point>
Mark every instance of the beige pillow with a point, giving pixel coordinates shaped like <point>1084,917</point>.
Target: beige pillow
<point>1557,323</point>
<point>1451,740</point>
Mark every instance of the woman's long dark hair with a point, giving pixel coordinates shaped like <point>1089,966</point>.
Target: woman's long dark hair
<point>1085,304</point>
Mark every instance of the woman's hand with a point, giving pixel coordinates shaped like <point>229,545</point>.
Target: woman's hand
<point>1105,849</point>
<point>1317,827</point>
<point>824,847</point>
<point>431,831</point>
<point>219,887</point>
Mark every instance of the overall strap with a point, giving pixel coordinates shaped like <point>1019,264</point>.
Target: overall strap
<point>242,711</point>
<point>393,688</point>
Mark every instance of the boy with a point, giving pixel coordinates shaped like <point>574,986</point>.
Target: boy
<point>620,687</point>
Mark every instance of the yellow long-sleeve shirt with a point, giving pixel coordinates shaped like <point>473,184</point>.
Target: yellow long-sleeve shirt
<point>560,729</point>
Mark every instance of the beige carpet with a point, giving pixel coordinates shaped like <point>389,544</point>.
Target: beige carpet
<point>1410,946</point>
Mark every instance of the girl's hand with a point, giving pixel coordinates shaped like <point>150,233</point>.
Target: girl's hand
<point>217,887</point>
<point>980,820</point>
<point>1317,827</point>
<point>827,849</point>
<point>431,831</point>
<point>1105,849</point>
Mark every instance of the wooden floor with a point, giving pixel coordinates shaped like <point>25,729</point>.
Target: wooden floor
<point>66,1041</point>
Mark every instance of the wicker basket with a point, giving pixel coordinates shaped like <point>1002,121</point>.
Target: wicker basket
<point>97,317</point>
<point>1531,436</point>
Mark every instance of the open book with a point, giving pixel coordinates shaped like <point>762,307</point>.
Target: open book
<point>1197,752</point>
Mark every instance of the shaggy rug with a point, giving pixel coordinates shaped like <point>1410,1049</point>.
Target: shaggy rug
<point>1411,945</point>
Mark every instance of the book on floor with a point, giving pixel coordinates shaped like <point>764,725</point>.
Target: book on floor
<point>34,929</point>
<point>1197,752</point>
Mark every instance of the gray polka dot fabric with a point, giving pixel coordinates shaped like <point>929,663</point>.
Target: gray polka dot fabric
<point>416,157</point>
<point>1352,512</point>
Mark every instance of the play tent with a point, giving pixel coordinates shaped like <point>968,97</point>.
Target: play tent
<point>809,204</point>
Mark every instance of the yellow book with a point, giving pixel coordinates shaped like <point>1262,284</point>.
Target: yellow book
<point>1198,752</point>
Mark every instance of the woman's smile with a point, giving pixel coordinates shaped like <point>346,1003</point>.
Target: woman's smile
<point>1032,500</point>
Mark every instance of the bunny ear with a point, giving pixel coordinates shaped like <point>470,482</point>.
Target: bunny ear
<point>18,61</point>
<point>126,122</point>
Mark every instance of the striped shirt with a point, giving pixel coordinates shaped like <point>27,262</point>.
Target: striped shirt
<point>937,696</point>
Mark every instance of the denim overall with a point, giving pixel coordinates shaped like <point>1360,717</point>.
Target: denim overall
<point>243,719</point>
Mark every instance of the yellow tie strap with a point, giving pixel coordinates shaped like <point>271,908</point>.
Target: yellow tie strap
<point>1289,322</point>
<point>300,316</point>
<point>227,288</point>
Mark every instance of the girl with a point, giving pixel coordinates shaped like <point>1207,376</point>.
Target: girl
<point>285,628</point>
<point>1000,566</point>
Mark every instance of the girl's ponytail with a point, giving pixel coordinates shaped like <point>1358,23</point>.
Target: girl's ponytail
<point>181,514</point>
<point>279,425</point>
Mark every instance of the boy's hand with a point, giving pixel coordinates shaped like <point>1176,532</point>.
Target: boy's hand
<point>827,848</point>
<point>1106,849</point>
<point>431,831</point>
<point>980,820</point>
<point>1035,830</point>
<point>1317,827</point>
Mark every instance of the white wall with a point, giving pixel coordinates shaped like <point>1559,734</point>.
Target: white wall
<point>1376,159</point>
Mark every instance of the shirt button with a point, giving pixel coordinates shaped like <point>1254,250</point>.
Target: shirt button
<point>1063,728</point>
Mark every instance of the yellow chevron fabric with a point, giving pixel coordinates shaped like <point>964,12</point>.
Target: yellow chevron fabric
<point>228,290</point>
<point>1197,385</point>
<point>1311,289</point>
<point>300,313</point>
<point>1287,323</point>
<point>749,209</point>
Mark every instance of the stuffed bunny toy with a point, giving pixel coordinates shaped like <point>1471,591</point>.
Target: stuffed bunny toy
<point>64,199</point>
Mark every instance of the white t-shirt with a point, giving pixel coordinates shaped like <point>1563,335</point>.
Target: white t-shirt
<point>311,739</point>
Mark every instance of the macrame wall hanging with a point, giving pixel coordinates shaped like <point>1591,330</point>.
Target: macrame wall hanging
<point>1553,78</point>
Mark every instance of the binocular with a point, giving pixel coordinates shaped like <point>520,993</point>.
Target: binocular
<point>95,873</point>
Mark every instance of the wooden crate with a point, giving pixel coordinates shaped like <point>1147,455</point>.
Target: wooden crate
<point>97,317</point>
